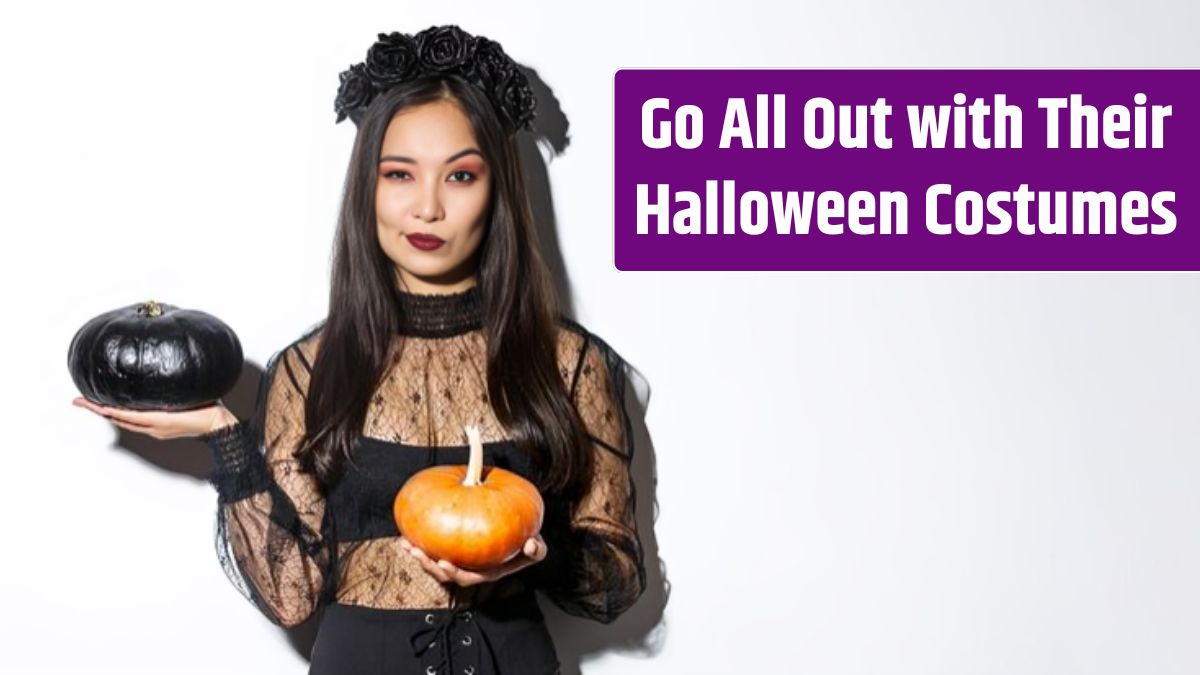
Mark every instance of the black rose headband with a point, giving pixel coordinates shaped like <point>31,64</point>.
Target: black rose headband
<point>400,57</point>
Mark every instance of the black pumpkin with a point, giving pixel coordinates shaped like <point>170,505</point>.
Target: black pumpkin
<point>155,356</point>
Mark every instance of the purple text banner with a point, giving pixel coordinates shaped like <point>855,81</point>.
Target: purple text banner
<point>907,170</point>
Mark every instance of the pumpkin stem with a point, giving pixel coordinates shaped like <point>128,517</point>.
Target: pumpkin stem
<point>152,308</point>
<point>475,463</point>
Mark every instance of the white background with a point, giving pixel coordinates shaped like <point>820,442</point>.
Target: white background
<point>857,473</point>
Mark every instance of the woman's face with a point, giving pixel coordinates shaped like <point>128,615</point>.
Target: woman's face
<point>434,182</point>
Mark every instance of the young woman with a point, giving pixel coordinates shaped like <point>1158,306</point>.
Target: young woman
<point>441,315</point>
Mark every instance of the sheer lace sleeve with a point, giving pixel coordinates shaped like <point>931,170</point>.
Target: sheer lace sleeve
<point>595,567</point>
<point>270,516</point>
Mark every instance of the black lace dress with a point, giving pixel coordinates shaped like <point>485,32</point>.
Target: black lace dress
<point>291,549</point>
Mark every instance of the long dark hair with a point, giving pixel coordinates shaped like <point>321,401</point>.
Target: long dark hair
<point>520,306</point>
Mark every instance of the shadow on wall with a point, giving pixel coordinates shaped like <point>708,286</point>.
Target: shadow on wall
<point>641,630</point>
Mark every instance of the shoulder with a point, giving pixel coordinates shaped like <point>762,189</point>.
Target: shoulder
<point>296,358</point>
<point>306,346</point>
<point>582,354</point>
<point>572,338</point>
<point>596,382</point>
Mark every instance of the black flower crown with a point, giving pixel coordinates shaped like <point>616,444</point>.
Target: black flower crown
<point>399,57</point>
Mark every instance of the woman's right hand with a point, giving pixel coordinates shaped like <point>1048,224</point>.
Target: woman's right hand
<point>164,425</point>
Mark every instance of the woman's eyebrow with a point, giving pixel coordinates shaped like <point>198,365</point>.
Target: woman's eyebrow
<point>410,160</point>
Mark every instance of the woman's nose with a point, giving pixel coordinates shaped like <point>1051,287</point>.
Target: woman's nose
<point>428,206</point>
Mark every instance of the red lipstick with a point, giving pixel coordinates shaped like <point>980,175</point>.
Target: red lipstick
<point>425,242</point>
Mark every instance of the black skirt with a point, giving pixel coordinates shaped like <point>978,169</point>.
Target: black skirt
<point>505,637</point>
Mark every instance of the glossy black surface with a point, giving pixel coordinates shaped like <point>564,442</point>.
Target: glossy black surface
<point>177,360</point>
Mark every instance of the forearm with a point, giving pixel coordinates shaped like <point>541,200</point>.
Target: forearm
<point>239,469</point>
<point>592,575</point>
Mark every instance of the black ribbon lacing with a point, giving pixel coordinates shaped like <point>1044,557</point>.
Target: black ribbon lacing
<point>438,633</point>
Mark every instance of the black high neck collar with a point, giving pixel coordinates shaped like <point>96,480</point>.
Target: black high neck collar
<point>440,315</point>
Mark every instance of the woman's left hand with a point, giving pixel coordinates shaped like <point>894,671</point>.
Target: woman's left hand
<point>446,572</point>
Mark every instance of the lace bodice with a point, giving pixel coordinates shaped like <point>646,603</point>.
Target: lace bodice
<point>288,547</point>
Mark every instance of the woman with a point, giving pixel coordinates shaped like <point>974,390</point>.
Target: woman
<point>441,315</point>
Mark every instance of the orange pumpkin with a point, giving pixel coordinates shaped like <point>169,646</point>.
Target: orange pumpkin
<point>474,516</point>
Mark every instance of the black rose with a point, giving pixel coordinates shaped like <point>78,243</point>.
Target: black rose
<point>354,92</point>
<point>445,49</point>
<point>491,65</point>
<point>391,60</point>
<point>516,100</point>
